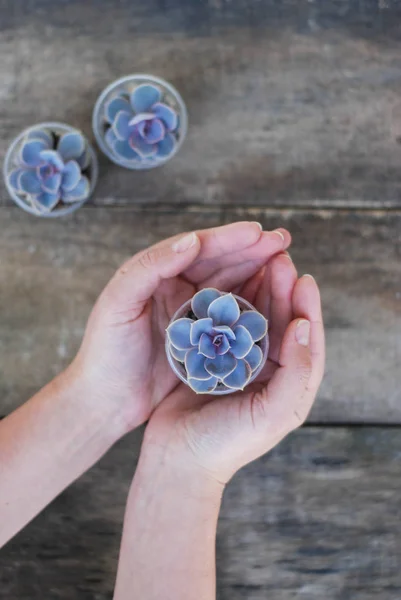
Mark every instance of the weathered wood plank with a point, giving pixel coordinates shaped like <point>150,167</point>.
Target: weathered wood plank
<point>291,102</point>
<point>52,272</point>
<point>317,518</point>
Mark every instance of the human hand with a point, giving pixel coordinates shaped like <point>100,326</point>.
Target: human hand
<point>122,360</point>
<point>219,435</point>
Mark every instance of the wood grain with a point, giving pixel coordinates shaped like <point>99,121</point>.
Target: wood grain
<point>52,272</point>
<point>290,102</point>
<point>317,518</point>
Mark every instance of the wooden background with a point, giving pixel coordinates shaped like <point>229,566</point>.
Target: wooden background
<point>295,120</point>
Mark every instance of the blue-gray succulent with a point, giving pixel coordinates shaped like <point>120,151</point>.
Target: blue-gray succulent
<point>141,126</point>
<point>48,171</point>
<point>220,345</point>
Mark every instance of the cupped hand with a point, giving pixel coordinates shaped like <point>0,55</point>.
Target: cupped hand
<point>122,359</point>
<point>218,435</point>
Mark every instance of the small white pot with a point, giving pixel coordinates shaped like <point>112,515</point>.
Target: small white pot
<point>178,367</point>
<point>170,96</point>
<point>10,163</point>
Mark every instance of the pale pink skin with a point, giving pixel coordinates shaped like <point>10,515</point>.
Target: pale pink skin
<point>193,444</point>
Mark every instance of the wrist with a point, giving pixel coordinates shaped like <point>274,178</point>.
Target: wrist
<point>168,468</point>
<point>169,528</point>
<point>97,415</point>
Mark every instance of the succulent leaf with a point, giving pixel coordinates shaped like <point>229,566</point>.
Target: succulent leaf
<point>254,357</point>
<point>141,119</point>
<point>202,300</point>
<point>179,333</point>
<point>125,151</point>
<point>239,377</point>
<point>178,354</point>
<point>144,97</point>
<point>255,323</point>
<point>166,146</point>
<point>110,138</point>
<point>13,179</point>
<point>29,182</point>
<point>71,145</point>
<point>140,146</point>
<point>46,202</point>
<point>204,386</point>
<point>198,328</point>
<point>41,134</point>
<point>114,106</point>
<point>52,157</point>
<point>30,152</point>
<point>71,175</point>
<point>121,125</point>
<point>224,345</point>
<point>195,365</point>
<point>224,310</point>
<point>243,342</point>
<point>221,366</point>
<point>206,346</point>
<point>228,332</point>
<point>167,115</point>
<point>80,191</point>
<point>154,132</point>
<point>52,183</point>
<point>85,159</point>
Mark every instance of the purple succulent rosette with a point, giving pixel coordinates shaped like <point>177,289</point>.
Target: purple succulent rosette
<point>49,169</point>
<point>221,346</point>
<point>140,125</point>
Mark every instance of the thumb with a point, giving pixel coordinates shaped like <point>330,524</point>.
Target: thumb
<point>138,278</point>
<point>286,400</point>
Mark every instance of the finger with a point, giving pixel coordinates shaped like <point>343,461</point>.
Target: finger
<point>275,299</point>
<point>136,281</point>
<point>306,303</point>
<point>285,402</point>
<point>241,265</point>
<point>229,278</point>
<point>238,251</point>
<point>250,288</point>
<point>219,241</point>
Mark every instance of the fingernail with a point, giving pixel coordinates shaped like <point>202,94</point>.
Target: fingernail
<point>259,225</point>
<point>185,243</point>
<point>287,255</point>
<point>302,332</point>
<point>307,275</point>
<point>278,233</point>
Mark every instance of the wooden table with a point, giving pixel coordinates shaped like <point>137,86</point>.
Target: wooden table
<point>295,120</point>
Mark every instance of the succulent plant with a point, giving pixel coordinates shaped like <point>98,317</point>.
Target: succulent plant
<point>220,346</point>
<point>49,169</point>
<point>140,126</point>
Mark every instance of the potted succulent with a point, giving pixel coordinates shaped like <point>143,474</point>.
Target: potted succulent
<point>140,121</point>
<point>217,343</point>
<point>50,169</point>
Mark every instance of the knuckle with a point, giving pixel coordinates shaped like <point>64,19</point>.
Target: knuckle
<point>258,407</point>
<point>147,259</point>
<point>304,372</point>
